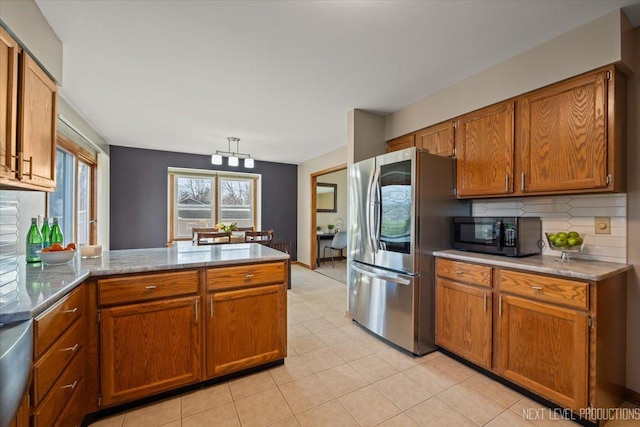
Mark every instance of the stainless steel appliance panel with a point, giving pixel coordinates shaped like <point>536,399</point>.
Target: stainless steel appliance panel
<point>394,211</point>
<point>361,245</point>
<point>397,220</point>
<point>384,302</point>
<point>510,236</point>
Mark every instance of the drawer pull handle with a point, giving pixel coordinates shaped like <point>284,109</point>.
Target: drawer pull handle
<point>459,272</point>
<point>71,349</point>
<point>70,311</point>
<point>150,287</point>
<point>71,386</point>
<point>537,288</point>
<point>249,276</point>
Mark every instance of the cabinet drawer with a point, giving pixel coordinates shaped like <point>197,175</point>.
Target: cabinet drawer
<point>55,360</point>
<point>123,290</point>
<point>73,414</point>
<point>543,288</point>
<point>245,275</point>
<point>53,322</point>
<point>462,272</point>
<point>63,390</point>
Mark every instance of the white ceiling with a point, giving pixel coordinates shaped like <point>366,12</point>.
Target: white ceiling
<point>280,75</point>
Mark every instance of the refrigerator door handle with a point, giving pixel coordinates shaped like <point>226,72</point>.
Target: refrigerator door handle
<point>370,215</point>
<point>396,280</point>
<point>377,211</point>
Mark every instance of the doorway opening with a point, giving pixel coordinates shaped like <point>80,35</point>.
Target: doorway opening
<point>328,216</point>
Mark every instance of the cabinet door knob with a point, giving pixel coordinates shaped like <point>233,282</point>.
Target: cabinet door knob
<point>536,288</point>
<point>249,276</point>
<point>73,310</point>
<point>151,287</point>
<point>459,272</point>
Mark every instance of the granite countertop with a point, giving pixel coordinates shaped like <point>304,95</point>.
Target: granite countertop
<point>36,287</point>
<point>575,268</point>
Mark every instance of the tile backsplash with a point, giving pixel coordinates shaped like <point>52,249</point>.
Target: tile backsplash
<point>9,238</point>
<point>570,213</point>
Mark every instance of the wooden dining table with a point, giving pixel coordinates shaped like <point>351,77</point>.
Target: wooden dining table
<point>236,237</point>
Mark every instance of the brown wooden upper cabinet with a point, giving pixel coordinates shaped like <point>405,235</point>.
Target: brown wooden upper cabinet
<point>27,120</point>
<point>437,139</point>
<point>485,147</point>
<point>567,136</point>
<point>401,143</point>
<point>8,105</point>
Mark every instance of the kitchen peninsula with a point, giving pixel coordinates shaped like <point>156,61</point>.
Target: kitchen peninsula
<point>136,323</point>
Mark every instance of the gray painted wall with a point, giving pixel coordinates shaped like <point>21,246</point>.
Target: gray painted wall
<point>139,195</point>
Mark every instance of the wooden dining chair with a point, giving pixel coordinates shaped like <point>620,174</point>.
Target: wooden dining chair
<point>196,230</point>
<point>262,237</point>
<point>212,237</point>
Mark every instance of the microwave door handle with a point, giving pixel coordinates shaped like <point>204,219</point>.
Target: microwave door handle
<point>396,280</point>
<point>499,236</point>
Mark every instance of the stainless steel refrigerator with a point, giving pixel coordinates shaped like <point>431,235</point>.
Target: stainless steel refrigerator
<point>400,210</point>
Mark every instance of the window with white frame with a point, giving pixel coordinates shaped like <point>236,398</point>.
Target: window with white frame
<point>73,201</point>
<point>202,199</point>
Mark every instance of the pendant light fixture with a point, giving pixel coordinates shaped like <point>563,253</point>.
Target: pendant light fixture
<point>233,157</point>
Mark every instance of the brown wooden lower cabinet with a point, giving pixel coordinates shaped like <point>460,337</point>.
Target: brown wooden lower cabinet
<point>161,331</point>
<point>463,321</point>
<point>563,339</point>
<point>246,328</point>
<point>545,349</point>
<point>60,339</point>
<point>149,347</point>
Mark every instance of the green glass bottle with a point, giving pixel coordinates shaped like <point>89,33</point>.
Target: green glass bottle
<point>34,241</point>
<point>46,233</point>
<point>56,233</point>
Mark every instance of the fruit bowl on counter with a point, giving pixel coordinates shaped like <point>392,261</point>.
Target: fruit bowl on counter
<point>57,255</point>
<point>566,242</point>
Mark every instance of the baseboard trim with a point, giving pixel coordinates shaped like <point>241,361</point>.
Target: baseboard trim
<point>632,396</point>
<point>301,264</point>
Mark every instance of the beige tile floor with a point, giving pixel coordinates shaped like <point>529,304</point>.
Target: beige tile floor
<point>338,375</point>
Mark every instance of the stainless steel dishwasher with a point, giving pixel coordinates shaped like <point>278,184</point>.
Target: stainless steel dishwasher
<point>16,349</point>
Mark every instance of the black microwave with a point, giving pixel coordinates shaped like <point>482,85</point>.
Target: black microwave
<point>510,236</point>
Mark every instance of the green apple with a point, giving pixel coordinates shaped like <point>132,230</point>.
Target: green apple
<point>561,241</point>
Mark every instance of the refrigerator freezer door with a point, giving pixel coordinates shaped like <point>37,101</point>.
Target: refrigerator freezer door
<point>395,211</point>
<point>361,201</point>
<point>383,302</point>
